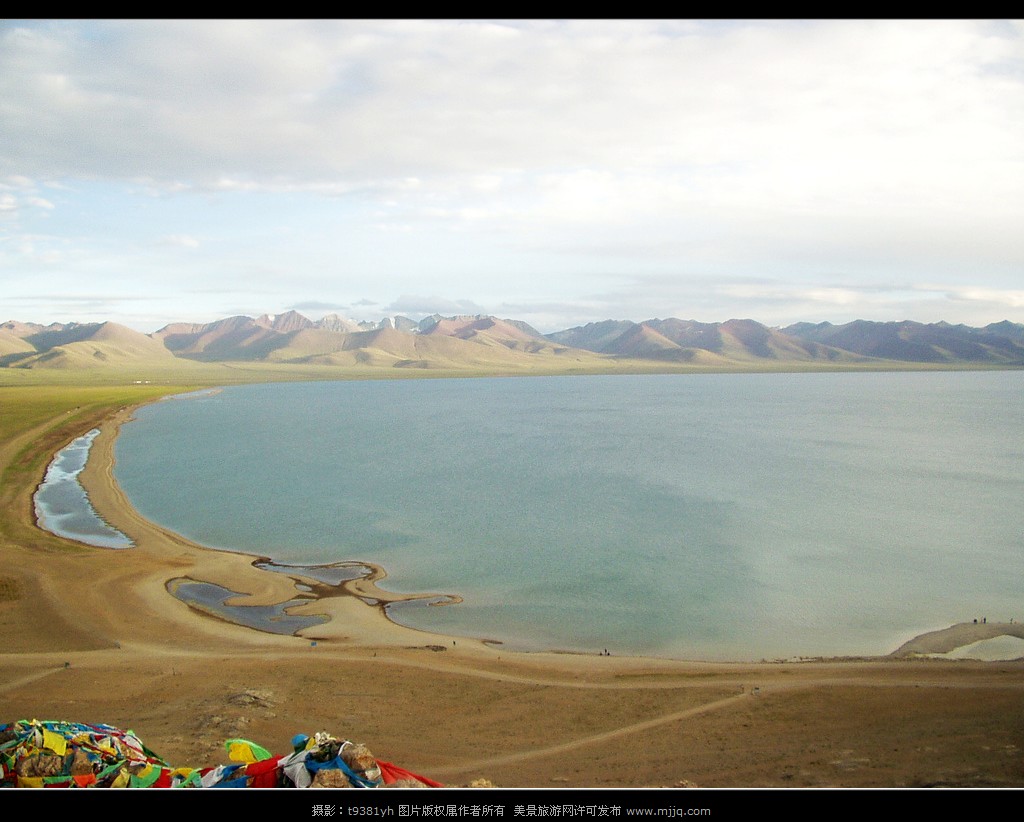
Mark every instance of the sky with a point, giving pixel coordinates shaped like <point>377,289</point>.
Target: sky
<point>554,171</point>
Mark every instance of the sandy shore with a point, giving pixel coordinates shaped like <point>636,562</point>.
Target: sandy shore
<point>948,640</point>
<point>93,635</point>
<point>350,619</point>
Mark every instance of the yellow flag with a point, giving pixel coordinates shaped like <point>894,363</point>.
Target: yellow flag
<point>242,750</point>
<point>55,742</point>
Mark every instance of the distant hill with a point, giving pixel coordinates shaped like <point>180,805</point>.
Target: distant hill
<point>90,345</point>
<point>481,342</point>
<point>1001,343</point>
<point>733,341</point>
<point>439,342</point>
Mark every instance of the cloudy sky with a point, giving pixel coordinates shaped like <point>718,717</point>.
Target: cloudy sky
<point>558,172</point>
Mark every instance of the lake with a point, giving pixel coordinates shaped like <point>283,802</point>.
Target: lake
<point>713,516</point>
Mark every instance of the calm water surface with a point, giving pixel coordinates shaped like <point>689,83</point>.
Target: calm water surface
<point>705,516</point>
<point>62,506</point>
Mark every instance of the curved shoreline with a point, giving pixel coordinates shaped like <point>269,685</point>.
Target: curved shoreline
<point>354,609</point>
<point>947,640</point>
<point>347,606</point>
<point>92,635</point>
<point>49,521</point>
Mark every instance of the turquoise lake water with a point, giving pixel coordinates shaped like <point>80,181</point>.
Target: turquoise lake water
<point>716,516</point>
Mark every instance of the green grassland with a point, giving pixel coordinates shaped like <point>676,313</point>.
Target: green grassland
<point>38,420</point>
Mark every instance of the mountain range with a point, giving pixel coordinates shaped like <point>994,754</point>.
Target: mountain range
<point>487,342</point>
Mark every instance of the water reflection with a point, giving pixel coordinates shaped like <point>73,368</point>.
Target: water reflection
<point>61,504</point>
<point>212,599</point>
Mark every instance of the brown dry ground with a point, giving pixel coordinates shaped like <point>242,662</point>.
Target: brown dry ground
<point>91,635</point>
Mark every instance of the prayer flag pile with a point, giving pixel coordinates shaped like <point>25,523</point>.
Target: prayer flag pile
<point>57,754</point>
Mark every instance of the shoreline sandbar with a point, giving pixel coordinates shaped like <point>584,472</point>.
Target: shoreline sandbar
<point>240,572</point>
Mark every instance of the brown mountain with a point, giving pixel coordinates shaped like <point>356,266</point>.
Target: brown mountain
<point>491,331</point>
<point>999,343</point>
<point>332,322</point>
<point>482,342</point>
<point>13,346</point>
<point>391,348</point>
<point>285,323</point>
<point>233,338</point>
<point>734,341</point>
<point>92,345</point>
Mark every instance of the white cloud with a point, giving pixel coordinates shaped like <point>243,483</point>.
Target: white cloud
<point>790,294</point>
<point>1009,299</point>
<point>183,240</point>
<point>226,100</point>
<point>763,165</point>
<point>419,306</point>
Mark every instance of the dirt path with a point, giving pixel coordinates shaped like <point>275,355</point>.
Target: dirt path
<point>594,739</point>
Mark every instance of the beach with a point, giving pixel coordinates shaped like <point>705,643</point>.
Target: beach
<point>92,635</point>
